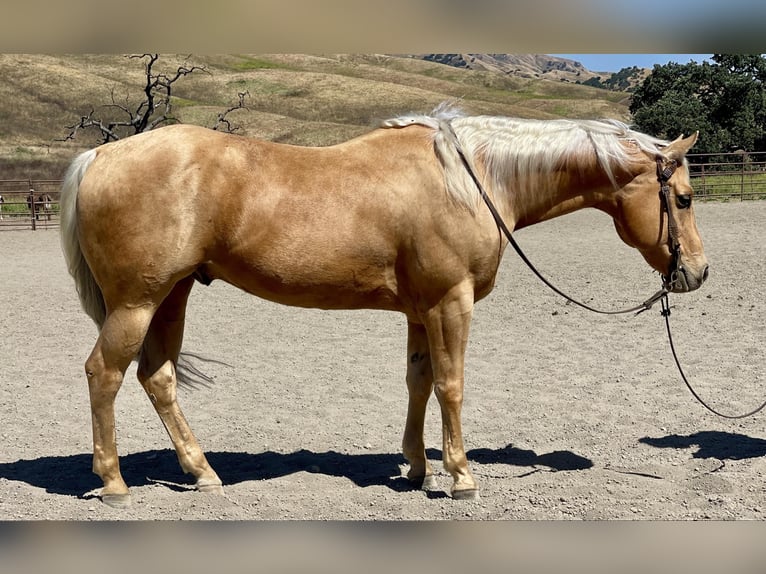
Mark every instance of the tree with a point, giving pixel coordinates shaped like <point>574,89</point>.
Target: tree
<point>741,110</point>
<point>724,100</point>
<point>625,80</point>
<point>222,122</point>
<point>123,119</point>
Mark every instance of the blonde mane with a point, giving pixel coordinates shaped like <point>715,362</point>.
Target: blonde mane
<point>512,149</point>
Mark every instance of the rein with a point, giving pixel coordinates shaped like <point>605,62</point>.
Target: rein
<point>664,174</point>
<point>666,314</point>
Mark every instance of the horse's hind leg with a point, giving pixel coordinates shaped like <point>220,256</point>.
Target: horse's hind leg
<point>157,374</point>
<point>419,386</point>
<point>117,345</point>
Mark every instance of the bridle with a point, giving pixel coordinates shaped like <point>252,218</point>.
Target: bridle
<point>664,172</point>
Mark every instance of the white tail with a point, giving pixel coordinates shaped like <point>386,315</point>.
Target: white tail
<point>90,293</point>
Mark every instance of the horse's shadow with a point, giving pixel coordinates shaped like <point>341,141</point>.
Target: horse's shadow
<point>71,475</point>
<point>712,444</point>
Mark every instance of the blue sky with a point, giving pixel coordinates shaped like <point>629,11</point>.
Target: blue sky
<point>615,62</point>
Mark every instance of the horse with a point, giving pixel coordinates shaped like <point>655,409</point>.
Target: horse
<point>43,205</point>
<point>388,220</point>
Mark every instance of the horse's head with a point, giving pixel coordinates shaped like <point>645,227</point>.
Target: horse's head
<point>655,215</point>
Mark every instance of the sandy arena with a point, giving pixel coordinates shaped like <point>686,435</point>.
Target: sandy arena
<point>567,415</point>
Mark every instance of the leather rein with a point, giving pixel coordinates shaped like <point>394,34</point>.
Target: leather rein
<point>664,173</point>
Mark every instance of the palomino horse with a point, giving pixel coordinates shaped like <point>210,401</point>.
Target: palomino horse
<point>389,220</point>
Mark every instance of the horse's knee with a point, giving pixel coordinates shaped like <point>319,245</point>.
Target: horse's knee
<point>449,393</point>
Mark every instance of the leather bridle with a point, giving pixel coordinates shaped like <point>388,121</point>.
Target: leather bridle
<point>664,173</point>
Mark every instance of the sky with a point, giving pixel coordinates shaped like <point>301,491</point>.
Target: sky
<point>615,62</point>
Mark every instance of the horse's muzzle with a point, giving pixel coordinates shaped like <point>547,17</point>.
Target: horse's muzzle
<point>683,280</point>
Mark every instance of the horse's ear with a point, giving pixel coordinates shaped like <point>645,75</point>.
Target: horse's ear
<point>680,146</point>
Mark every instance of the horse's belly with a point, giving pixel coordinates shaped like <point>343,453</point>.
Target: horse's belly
<point>324,286</point>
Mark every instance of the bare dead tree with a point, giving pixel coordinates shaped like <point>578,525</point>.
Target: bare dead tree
<point>222,122</point>
<point>155,109</point>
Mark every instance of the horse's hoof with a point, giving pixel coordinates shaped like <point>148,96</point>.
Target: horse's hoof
<point>118,501</point>
<point>427,482</point>
<point>467,494</point>
<point>210,487</point>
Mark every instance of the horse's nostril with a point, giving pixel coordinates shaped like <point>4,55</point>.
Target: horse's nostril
<point>705,272</point>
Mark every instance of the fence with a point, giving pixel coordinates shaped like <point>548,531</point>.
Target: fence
<point>734,176</point>
<point>19,211</point>
<point>728,176</point>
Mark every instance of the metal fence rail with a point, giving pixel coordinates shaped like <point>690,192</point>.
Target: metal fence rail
<point>19,211</point>
<point>736,176</point>
<point>728,176</point>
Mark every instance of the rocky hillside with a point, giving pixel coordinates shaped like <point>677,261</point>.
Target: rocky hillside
<point>541,66</point>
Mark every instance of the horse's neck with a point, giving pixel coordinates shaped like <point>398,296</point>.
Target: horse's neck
<point>543,196</point>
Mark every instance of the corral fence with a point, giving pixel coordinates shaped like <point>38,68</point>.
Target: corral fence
<point>736,176</point>
<point>29,203</point>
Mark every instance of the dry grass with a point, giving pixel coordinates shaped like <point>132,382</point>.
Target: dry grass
<point>299,99</point>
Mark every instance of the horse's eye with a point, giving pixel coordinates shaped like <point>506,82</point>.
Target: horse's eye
<point>683,201</point>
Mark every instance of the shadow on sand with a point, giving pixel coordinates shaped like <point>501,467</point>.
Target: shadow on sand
<point>71,475</point>
<point>712,444</point>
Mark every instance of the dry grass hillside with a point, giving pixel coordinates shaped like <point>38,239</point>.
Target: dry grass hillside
<point>300,99</point>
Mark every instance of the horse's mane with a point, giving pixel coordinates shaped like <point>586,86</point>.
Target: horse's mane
<point>513,149</point>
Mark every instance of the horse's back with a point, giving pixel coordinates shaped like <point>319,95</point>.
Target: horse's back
<point>332,227</point>
<point>267,217</point>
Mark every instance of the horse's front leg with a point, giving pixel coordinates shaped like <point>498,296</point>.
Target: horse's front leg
<point>420,383</point>
<point>447,325</point>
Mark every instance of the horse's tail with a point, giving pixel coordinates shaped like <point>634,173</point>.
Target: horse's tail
<point>91,298</point>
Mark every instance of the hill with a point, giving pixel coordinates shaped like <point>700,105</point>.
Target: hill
<point>299,99</point>
<point>539,66</point>
<point>543,66</point>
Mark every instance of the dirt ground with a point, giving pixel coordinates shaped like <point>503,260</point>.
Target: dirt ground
<point>567,415</point>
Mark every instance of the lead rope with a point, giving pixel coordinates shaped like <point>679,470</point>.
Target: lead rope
<point>661,295</point>
<point>666,314</point>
